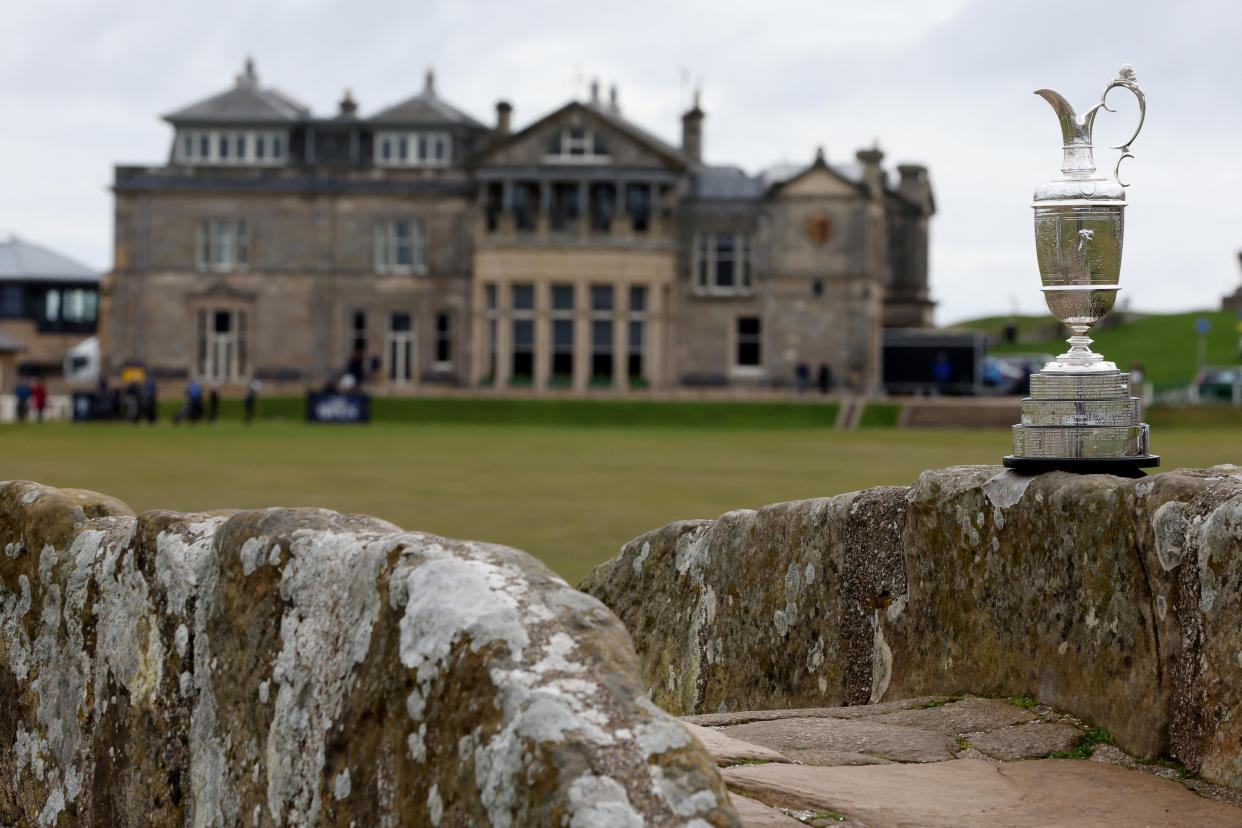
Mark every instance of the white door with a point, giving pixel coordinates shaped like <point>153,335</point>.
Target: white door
<point>400,351</point>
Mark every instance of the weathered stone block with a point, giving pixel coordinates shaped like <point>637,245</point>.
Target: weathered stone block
<point>1117,600</point>
<point>302,667</point>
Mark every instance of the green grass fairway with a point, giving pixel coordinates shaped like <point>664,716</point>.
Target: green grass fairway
<point>571,496</point>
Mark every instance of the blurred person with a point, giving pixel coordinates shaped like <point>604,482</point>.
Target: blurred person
<point>942,372</point>
<point>213,404</point>
<point>22,392</point>
<point>356,367</point>
<point>1136,375</point>
<point>149,398</point>
<point>251,400</point>
<point>192,409</point>
<point>825,378</point>
<point>133,402</point>
<point>38,395</point>
<point>802,375</point>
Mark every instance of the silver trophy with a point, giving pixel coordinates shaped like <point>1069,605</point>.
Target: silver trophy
<point>1080,415</point>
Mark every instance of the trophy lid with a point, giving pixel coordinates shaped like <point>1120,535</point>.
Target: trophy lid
<point>1079,179</point>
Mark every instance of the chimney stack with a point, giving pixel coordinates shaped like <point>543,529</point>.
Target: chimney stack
<point>503,112</point>
<point>612,100</point>
<point>873,174</point>
<point>430,85</point>
<point>349,107</point>
<point>248,77</point>
<point>916,186</point>
<point>595,90</point>
<point>692,132</point>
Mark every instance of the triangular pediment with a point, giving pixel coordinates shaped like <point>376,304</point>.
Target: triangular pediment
<point>820,181</point>
<point>622,142</point>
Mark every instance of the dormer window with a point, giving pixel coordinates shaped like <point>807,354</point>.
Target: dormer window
<point>413,149</point>
<point>577,145</point>
<point>231,146</point>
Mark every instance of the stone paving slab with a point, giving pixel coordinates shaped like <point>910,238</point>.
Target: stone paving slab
<point>729,751</point>
<point>867,736</point>
<point>969,715</point>
<point>1027,741</point>
<point>976,794</point>
<point>852,712</point>
<point>755,814</point>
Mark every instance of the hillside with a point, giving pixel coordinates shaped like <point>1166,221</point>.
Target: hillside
<point>1166,345</point>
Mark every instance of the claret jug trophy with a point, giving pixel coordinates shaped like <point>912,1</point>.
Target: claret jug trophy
<point>1081,415</point>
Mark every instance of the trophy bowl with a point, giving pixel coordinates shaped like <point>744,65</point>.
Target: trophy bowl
<point>1080,306</point>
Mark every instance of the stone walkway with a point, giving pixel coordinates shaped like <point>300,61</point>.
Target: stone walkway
<point>940,761</point>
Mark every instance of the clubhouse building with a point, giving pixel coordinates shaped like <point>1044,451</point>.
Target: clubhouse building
<point>417,246</point>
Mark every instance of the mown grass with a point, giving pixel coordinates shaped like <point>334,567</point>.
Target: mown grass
<point>571,495</point>
<point>811,413</point>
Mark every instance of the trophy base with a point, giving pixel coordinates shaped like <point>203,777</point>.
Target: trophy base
<point>1084,422</point>
<point>1119,466</point>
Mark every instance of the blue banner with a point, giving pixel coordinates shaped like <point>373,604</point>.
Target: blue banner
<point>334,407</point>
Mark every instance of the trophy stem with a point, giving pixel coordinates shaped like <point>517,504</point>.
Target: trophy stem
<point>1080,352</point>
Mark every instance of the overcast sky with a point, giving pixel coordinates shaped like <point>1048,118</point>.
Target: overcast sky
<point>947,84</point>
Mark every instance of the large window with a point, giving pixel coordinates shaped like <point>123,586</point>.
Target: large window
<point>577,145</point>
<point>523,330</point>
<point>221,345</point>
<point>413,149</point>
<point>489,299</point>
<point>562,335</point>
<point>73,309</point>
<point>601,334</point>
<point>223,244</point>
<point>232,147</point>
<point>400,246</point>
<point>444,341</point>
<point>12,302</point>
<point>749,342</point>
<point>637,333</point>
<point>722,264</point>
<point>358,332</point>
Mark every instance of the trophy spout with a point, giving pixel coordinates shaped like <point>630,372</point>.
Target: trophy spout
<point>1075,133</point>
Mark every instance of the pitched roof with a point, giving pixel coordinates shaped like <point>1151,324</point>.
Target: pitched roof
<point>22,261</point>
<point>246,102</point>
<point>425,108</point>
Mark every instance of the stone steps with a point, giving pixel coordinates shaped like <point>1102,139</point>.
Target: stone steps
<point>942,761</point>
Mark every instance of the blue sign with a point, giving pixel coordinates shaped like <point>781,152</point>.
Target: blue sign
<point>1203,325</point>
<point>334,407</point>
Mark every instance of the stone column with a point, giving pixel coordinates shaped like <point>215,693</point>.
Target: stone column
<point>504,333</point>
<point>543,335</point>
<point>620,336</point>
<point>584,208</point>
<point>582,335</point>
<point>543,220</point>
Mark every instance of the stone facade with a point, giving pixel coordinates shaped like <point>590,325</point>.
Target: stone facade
<point>419,246</point>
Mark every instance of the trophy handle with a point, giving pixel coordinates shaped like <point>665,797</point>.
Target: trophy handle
<point>1126,80</point>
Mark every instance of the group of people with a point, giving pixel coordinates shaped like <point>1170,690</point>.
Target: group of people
<point>30,395</point>
<point>196,408</point>
<point>823,378</point>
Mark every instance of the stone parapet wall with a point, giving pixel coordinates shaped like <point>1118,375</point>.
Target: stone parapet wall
<point>1117,600</point>
<point>302,667</point>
